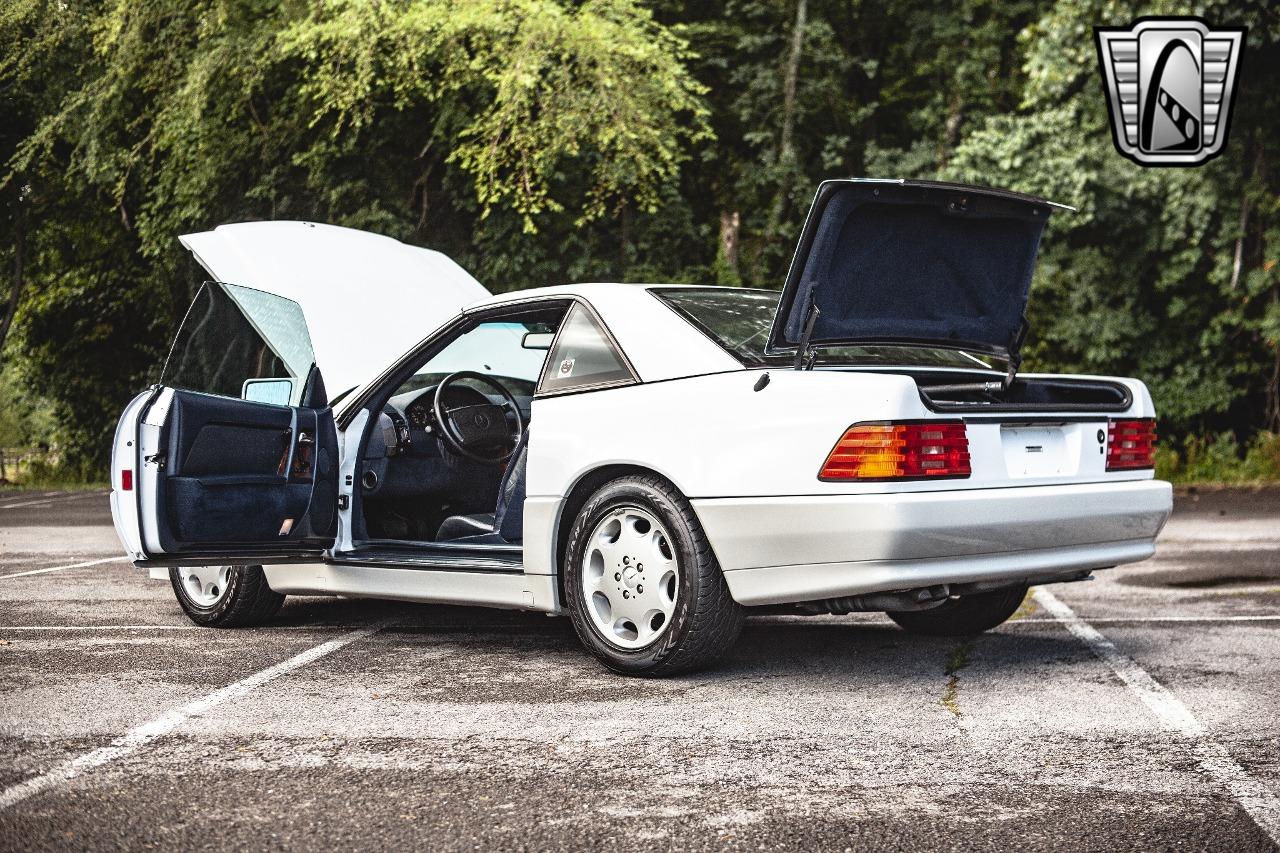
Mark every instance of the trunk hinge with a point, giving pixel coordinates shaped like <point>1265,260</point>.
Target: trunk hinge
<point>805,354</point>
<point>1015,351</point>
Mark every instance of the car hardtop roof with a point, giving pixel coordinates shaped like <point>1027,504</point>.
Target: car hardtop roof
<point>586,290</point>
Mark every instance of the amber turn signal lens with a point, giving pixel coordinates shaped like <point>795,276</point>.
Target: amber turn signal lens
<point>917,451</point>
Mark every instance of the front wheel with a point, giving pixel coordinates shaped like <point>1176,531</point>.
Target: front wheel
<point>963,615</point>
<point>225,596</point>
<point>642,585</point>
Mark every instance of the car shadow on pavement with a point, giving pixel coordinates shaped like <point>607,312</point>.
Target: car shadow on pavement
<point>856,647</point>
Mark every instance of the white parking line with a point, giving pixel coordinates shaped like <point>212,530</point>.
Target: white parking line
<point>68,566</point>
<point>136,738</point>
<point>21,496</point>
<point>4,628</point>
<point>469,627</point>
<point>1253,795</point>
<point>259,630</point>
<point>48,498</point>
<point>1145,620</point>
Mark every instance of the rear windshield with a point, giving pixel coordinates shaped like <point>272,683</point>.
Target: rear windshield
<point>739,320</point>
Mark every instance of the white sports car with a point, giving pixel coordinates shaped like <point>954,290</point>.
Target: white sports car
<point>653,460</point>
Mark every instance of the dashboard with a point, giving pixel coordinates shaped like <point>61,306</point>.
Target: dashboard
<point>405,456</point>
<point>413,411</point>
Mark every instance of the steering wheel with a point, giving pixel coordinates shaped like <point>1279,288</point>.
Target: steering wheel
<point>475,430</point>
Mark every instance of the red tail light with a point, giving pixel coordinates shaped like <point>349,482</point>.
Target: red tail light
<point>1131,444</point>
<point>908,451</point>
<point>126,480</point>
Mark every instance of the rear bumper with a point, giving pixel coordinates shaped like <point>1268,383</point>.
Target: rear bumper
<point>787,549</point>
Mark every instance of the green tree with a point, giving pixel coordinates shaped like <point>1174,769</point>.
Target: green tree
<point>1165,274</point>
<point>456,123</point>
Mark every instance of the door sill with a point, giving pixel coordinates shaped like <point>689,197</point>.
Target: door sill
<point>499,559</point>
<point>216,558</point>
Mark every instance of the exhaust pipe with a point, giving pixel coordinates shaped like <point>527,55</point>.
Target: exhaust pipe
<point>925,598</point>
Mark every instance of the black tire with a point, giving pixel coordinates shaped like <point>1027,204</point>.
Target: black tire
<point>706,620</point>
<point>248,600</point>
<point>963,615</point>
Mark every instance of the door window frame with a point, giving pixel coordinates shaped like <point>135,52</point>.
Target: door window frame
<point>404,367</point>
<point>382,388</point>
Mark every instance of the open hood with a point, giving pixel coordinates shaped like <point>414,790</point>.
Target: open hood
<point>367,299</point>
<point>914,263</point>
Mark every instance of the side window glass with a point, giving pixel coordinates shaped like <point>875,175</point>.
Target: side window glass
<point>240,342</point>
<point>582,356</point>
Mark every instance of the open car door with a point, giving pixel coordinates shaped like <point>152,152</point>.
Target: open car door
<point>233,458</point>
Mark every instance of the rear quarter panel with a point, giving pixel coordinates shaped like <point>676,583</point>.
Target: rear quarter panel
<point>712,436</point>
<point>716,436</point>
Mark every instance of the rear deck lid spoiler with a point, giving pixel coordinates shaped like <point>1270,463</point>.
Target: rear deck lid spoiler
<point>913,263</point>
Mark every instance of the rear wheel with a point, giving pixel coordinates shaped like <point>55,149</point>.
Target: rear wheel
<point>642,585</point>
<point>964,614</point>
<point>225,596</point>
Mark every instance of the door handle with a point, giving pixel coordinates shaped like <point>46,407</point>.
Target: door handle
<point>302,459</point>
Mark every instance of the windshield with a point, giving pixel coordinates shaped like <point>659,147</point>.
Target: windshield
<point>495,348</point>
<point>739,320</point>
<point>240,342</point>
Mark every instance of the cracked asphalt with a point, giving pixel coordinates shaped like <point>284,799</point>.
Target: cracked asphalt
<point>455,728</point>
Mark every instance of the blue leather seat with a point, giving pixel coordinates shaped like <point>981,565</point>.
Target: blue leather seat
<point>505,525</point>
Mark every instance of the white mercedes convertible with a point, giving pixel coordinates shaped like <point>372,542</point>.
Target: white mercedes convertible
<point>653,460</point>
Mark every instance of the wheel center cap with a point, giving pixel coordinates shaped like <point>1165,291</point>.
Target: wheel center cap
<point>629,575</point>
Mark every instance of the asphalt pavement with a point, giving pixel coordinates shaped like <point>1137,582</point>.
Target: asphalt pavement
<point>1134,711</point>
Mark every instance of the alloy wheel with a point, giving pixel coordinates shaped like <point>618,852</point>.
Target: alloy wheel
<point>630,578</point>
<point>206,585</point>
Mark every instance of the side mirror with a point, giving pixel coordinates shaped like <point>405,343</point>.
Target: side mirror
<point>537,340</point>
<point>276,391</point>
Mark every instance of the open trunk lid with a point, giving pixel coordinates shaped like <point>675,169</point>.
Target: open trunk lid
<point>912,263</point>
<point>367,298</point>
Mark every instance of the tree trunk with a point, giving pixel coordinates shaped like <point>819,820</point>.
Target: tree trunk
<point>1273,388</point>
<point>786,150</point>
<point>19,281</point>
<point>955,117</point>
<point>624,243</point>
<point>1243,226</point>
<point>1272,416</point>
<point>730,226</point>
<point>786,146</point>
<point>1237,262</point>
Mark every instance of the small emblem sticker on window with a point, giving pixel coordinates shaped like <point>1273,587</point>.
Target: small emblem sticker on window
<point>566,367</point>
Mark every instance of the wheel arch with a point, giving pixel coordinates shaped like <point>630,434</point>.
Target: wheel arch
<point>586,485</point>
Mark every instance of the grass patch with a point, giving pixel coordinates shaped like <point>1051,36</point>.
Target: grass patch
<point>38,474</point>
<point>1026,608</point>
<point>1221,459</point>
<point>53,486</point>
<point>956,661</point>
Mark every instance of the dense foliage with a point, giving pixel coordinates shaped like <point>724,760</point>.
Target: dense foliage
<point>538,141</point>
